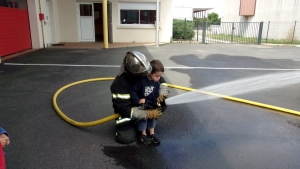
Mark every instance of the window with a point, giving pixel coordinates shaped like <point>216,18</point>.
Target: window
<point>20,4</point>
<point>137,13</point>
<point>147,16</point>
<point>86,10</point>
<point>129,17</point>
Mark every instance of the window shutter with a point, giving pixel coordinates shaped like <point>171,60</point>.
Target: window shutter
<point>247,7</point>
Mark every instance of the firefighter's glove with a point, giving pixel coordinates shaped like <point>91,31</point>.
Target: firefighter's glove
<point>138,114</point>
<point>161,98</point>
<point>154,113</point>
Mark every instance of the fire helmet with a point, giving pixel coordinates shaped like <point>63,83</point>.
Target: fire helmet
<point>136,63</point>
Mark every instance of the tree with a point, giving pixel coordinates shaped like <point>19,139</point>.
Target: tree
<point>214,18</point>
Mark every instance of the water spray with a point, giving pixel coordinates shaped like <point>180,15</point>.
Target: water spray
<point>241,86</point>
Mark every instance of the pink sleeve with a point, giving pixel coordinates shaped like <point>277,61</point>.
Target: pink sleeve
<point>2,159</point>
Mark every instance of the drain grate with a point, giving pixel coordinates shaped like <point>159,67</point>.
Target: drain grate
<point>58,44</point>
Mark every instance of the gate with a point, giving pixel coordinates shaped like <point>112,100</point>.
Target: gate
<point>224,32</point>
<point>232,32</point>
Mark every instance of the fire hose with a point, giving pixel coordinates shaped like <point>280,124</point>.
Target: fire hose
<point>114,116</point>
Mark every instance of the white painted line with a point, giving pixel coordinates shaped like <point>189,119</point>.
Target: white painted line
<point>225,68</point>
<point>167,67</point>
<point>38,64</point>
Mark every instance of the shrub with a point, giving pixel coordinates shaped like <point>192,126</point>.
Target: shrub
<point>179,30</point>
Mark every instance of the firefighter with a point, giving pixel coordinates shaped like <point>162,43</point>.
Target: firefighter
<point>134,65</point>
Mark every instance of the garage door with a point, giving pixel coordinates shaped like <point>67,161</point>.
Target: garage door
<point>14,27</point>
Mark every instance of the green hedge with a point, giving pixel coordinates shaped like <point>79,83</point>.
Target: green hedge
<point>178,29</point>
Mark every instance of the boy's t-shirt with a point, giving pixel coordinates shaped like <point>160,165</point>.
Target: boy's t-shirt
<point>144,88</point>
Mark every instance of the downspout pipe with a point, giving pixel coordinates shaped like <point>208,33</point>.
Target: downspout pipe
<point>42,27</point>
<point>157,25</point>
<point>105,25</point>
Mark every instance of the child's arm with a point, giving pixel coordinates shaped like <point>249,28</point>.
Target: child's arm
<point>142,101</point>
<point>135,89</point>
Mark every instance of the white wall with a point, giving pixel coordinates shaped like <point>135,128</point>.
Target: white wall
<point>54,19</point>
<point>166,27</point>
<point>67,15</point>
<point>41,32</point>
<point>275,10</point>
<point>183,12</point>
<point>35,24</point>
<point>230,12</point>
<point>216,5</point>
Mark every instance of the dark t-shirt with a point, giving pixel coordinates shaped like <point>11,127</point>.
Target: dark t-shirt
<point>144,88</point>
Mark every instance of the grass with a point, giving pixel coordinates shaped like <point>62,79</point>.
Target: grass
<point>240,39</point>
<point>225,38</point>
<point>281,41</point>
<point>231,39</point>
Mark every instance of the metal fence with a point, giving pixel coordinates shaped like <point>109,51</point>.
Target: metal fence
<point>281,32</point>
<point>236,32</point>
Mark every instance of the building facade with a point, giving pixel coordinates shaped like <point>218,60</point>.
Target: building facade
<point>41,23</point>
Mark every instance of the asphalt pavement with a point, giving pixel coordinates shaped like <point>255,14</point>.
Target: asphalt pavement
<point>213,133</point>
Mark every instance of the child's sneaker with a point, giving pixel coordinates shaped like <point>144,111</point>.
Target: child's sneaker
<point>154,139</point>
<point>145,139</point>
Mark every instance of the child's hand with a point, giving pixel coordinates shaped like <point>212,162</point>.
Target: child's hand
<point>4,140</point>
<point>142,101</point>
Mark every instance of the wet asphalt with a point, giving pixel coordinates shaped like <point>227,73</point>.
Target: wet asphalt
<point>214,133</point>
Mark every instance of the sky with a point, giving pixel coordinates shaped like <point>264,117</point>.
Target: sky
<point>216,4</point>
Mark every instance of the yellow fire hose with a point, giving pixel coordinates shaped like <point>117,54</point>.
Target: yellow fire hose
<point>114,116</point>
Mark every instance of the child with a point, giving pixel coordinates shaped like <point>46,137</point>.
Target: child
<point>4,141</point>
<point>147,88</point>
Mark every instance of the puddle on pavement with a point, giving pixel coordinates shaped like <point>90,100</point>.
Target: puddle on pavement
<point>135,156</point>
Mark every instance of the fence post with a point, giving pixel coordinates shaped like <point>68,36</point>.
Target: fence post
<point>184,28</point>
<point>260,33</point>
<point>204,31</point>
<point>232,32</point>
<point>294,32</point>
<point>197,28</point>
<point>267,32</point>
